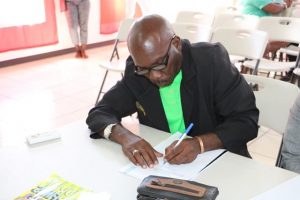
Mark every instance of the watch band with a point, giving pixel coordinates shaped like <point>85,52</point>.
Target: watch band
<point>107,131</point>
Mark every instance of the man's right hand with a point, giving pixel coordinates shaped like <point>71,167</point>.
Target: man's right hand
<point>138,150</point>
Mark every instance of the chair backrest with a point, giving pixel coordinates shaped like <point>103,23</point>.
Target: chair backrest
<point>241,42</point>
<point>295,9</point>
<point>235,20</point>
<point>227,9</point>
<point>192,32</point>
<point>292,11</point>
<point>124,28</point>
<point>281,28</point>
<point>195,17</point>
<point>274,99</point>
<point>122,35</point>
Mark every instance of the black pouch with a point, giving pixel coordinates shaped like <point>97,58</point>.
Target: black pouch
<point>164,188</point>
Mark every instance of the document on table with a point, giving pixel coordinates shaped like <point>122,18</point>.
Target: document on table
<point>184,171</point>
<point>286,190</point>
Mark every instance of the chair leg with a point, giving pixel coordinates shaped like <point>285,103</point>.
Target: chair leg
<point>293,78</point>
<point>101,87</point>
<point>279,157</point>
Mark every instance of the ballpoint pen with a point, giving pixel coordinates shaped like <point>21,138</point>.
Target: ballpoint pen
<point>183,136</point>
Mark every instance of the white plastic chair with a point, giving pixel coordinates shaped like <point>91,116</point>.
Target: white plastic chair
<point>290,50</point>
<point>193,17</point>
<point>193,32</point>
<point>227,9</point>
<point>241,42</point>
<point>279,29</point>
<point>294,51</point>
<point>296,13</point>
<point>274,99</point>
<point>293,10</point>
<point>235,20</point>
<point>119,65</point>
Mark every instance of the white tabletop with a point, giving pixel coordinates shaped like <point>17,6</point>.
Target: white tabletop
<point>95,164</point>
<point>240,178</point>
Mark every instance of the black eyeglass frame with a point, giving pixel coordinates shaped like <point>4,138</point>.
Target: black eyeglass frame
<point>155,67</point>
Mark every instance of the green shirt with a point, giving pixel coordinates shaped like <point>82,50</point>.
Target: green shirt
<point>255,7</point>
<point>171,100</point>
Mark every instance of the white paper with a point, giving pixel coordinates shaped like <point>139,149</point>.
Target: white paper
<point>184,171</point>
<point>287,190</point>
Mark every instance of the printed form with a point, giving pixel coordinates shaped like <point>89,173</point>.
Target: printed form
<point>184,171</point>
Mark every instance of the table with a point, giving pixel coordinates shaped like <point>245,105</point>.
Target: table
<point>95,164</point>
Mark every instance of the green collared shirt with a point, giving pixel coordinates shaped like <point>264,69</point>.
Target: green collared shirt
<point>171,100</point>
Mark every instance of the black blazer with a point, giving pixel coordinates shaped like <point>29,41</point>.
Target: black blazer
<point>215,97</point>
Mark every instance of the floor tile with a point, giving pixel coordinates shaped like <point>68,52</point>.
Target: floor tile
<point>267,145</point>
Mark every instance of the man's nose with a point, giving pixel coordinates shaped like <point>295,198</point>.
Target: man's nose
<point>154,75</point>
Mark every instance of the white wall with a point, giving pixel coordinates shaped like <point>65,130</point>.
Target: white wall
<point>64,40</point>
<point>166,8</point>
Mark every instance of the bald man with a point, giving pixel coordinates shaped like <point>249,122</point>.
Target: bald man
<point>171,83</point>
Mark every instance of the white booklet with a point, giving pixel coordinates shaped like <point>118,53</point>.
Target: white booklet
<point>184,171</point>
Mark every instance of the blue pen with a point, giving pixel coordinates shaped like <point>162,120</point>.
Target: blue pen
<point>184,134</point>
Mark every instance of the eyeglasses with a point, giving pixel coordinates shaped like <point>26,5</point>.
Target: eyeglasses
<point>155,67</point>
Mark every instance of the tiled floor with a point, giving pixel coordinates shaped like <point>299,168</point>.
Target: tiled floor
<point>46,94</point>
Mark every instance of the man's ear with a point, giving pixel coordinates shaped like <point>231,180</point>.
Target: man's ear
<point>177,43</point>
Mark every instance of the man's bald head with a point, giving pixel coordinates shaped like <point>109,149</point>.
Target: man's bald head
<point>155,49</point>
<point>149,34</point>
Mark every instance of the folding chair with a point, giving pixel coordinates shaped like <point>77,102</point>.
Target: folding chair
<point>192,32</point>
<point>235,20</point>
<point>244,43</point>
<point>284,29</point>
<point>227,9</point>
<point>118,66</point>
<point>274,98</point>
<point>293,10</point>
<point>193,17</point>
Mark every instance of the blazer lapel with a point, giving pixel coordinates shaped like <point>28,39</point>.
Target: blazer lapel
<point>188,84</point>
<point>153,107</point>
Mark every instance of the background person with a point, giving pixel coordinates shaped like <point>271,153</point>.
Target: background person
<point>77,13</point>
<point>291,140</point>
<point>171,83</point>
<point>263,8</point>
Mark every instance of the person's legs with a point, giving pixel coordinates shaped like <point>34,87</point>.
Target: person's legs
<point>72,18</point>
<point>84,10</point>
